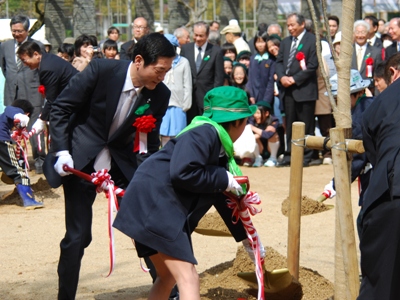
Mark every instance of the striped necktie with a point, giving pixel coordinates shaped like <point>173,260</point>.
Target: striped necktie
<point>291,55</point>
<point>19,62</point>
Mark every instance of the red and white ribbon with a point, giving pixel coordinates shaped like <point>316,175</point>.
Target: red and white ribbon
<point>19,135</point>
<point>369,71</point>
<point>242,211</point>
<point>104,184</point>
<point>144,125</point>
<point>303,65</point>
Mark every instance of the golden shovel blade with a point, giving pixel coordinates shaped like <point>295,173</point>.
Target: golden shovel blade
<point>212,232</point>
<point>274,281</point>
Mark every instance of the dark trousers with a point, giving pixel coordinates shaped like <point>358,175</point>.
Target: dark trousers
<point>79,197</point>
<point>302,112</point>
<point>379,231</point>
<point>9,164</point>
<point>325,123</point>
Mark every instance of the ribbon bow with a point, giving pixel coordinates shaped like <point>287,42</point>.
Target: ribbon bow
<point>242,207</point>
<point>144,125</point>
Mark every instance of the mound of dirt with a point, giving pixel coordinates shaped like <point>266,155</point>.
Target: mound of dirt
<point>42,190</point>
<point>308,206</point>
<point>213,221</point>
<point>221,282</point>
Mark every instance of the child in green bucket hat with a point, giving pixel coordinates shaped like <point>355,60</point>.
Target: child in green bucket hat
<point>175,187</point>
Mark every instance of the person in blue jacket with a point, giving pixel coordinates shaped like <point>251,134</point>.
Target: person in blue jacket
<point>18,112</point>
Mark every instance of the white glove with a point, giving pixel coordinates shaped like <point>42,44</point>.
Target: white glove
<point>233,185</point>
<point>249,250</point>
<point>39,126</point>
<point>64,158</point>
<point>23,119</point>
<point>329,191</point>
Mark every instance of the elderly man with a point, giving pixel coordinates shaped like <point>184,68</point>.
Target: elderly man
<point>394,31</point>
<point>183,36</point>
<point>207,66</point>
<point>233,35</point>
<point>365,57</point>
<point>275,28</point>
<point>22,82</point>
<point>139,29</point>
<point>299,81</point>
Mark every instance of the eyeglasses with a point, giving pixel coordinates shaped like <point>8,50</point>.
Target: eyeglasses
<point>18,31</point>
<point>139,27</point>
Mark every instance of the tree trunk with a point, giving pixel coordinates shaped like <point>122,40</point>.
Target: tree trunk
<point>145,9</point>
<point>178,15</point>
<point>229,10</point>
<point>267,11</point>
<point>55,22</point>
<point>84,17</point>
<point>305,9</point>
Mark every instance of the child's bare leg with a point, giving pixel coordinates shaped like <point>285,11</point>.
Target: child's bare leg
<point>171,270</point>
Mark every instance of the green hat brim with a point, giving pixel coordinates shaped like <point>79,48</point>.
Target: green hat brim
<point>223,115</point>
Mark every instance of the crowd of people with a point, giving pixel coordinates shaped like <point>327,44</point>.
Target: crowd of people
<point>239,96</point>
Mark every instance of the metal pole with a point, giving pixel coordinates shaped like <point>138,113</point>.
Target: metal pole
<point>162,13</point>
<point>244,15</point>
<point>129,19</point>
<point>214,11</point>
<point>254,14</point>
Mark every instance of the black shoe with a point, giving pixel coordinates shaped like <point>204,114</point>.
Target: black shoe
<point>306,164</point>
<point>283,164</point>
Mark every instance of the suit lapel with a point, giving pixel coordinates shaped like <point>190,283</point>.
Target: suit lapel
<point>115,84</point>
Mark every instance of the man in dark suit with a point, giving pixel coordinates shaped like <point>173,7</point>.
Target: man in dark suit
<point>92,129</point>
<point>363,52</point>
<point>299,81</point>
<point>394,31</point>
<point>206,64</point>
<point>54,74</point>
<point>379,222</point>
<point>139,29</point>
<point>22,82</point>
<point>373,40</point>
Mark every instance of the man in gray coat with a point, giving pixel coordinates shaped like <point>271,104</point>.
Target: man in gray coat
<point>22,82</point>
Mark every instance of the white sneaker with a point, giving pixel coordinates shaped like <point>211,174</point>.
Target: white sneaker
<point>327,161</point>
<point>258,162</point>
<point>271,162</point>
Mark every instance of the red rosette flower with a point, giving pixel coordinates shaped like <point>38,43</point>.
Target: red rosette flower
<point>42,90</point>
<point>369,61</point>
<point>145,124</point>
<point>300,56</point>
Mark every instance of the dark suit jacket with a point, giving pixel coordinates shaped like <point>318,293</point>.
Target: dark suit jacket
<point>381,141</point>
<point>91,99</point>
<point>211,72</point>
<point>378,43</point>
<point>184,185</point>
<point>54,73</point>
<point>20,83</point>
<point>305,88</point>
<point>370,51</point>
<point>391,50</point>
<point>125,53</point>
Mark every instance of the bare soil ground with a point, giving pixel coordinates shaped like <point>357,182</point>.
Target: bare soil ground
<point>29,246</point>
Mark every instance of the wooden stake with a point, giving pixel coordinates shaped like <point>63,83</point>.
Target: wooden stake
<point>345,217</point>
<point>295,189</point>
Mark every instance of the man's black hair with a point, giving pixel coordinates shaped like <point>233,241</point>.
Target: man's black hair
<point>151,47</point>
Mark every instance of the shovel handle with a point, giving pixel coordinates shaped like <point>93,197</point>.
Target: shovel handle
<point>77,173</point>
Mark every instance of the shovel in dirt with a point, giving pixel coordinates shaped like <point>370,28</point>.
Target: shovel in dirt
<point>274,281</point>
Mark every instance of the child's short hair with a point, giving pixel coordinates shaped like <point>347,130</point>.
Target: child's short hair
<point>379,71</point>
<point>110,44</point>
<point>25,105</point>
